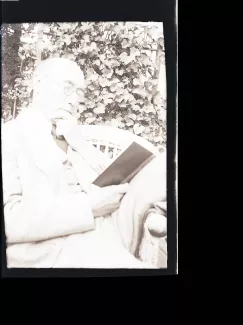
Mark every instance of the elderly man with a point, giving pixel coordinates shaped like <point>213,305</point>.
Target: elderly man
<point>54,216</point>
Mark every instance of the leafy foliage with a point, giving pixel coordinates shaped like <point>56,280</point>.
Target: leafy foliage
<point>121,75</point>
<point>11,66</point>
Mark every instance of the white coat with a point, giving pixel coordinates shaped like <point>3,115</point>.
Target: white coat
<point>45,225</point>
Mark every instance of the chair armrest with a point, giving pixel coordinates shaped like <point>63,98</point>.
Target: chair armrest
<point>154,235</point>
<point>156,224</point>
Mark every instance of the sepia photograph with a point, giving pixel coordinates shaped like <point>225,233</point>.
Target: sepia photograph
<point>84,141</point>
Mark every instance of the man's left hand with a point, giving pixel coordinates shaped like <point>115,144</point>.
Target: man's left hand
<point>65,125</point>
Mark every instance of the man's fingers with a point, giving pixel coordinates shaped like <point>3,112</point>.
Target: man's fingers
<point>99,169</point>
<point>102,167</point>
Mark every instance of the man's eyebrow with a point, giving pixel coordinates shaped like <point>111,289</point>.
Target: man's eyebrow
<point>69,82</point>
<point>73,84</point>
<point>81,88</point>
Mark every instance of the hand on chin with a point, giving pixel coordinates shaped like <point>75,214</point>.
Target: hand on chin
<point>64,122</point>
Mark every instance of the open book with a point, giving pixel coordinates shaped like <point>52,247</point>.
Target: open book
<point>125,167</point>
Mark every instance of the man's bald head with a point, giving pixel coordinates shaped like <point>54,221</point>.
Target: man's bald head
<point>59,69</point>
<point>58,84</point>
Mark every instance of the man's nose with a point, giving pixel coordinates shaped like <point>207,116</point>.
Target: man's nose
<point>73,98</point>
<point>71,108</point>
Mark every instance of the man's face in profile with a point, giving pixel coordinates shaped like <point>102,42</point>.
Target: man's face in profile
<point>60,93</point>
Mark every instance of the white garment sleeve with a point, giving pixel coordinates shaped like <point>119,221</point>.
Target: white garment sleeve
<point>29,219</point>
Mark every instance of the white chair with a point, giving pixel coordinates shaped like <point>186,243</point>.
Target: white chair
<point>112,142</point>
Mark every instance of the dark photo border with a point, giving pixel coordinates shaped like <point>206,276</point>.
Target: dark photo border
<point>71,11</point>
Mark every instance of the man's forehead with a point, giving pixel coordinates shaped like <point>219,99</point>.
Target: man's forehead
<point>73,80</point>
<point>61,70</point>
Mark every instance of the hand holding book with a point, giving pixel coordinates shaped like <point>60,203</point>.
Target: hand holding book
<point>126,166</point>
<point>106,200</point>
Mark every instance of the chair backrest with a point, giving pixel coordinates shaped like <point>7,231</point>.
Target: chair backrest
<point>113,141</point>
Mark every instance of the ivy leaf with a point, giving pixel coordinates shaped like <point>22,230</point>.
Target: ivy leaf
<point>120,91</point>
<point>21,56</point>
<point>129,122</point>
<point>161,41</point>
<point>147,130</point>
<point>91,87</point>
<point>116,29</point>
<point>140,101</point>
<point>96,93</point>
<point>100,109</point>
<point>89,120</point>
<point>132,101</point>
<point>138,129</point>
<point>125,58</point>
<point>18,80</point>
<point>96,99</point>
<point>137,82</point>
<point>103,82</point>
<point>146,60</point>
<point>136,108</point>
<point>90,104</point>
<point>111,62</point>
<point>140,91</point>
<point>85,49</point>
<point>125,43</point>
<point>120,72</point>
<point>102,57</point>
<point>125,80</point>
<point>149,108</point>
<point>108,83</point>
<point>92,77</point>
<point>86,38</point>
<point>65,26</point>
<point>134,67</point>
<point>115,80</point>
<point>93,46</point>
<point>68,40</point>
<point>147,118</point>
<point>88,114</point>
<point>114,123</point>
<point>28,83</point>
<point>139,40</point>
<point>157,99</point>
<point>134,52</point>
<point>104,91</point>
<point>85,26</point>
<point>81,108</point>
<point>143,78</point>
<point>114,63</point>
<point>109,101</point>
<point>114,87</point>
<point>157,139</point>
<point>123,104</point>
<point>107,73</point>
<point>119,99</point>
<point>108,96</point>
<point>69,56</point>
<point>97,62</point>
<point>132,116</point>
<point>153,31</point>
<point>162,115</point>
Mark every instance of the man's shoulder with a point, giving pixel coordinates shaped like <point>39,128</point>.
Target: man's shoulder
<point>10,129</point>
<point>9,126</point>
<point>14,123</point>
